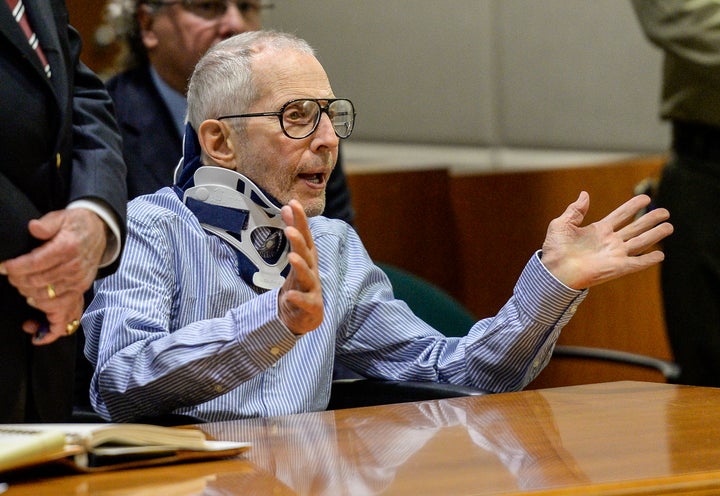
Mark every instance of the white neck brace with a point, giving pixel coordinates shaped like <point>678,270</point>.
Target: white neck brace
<point>227,188</point>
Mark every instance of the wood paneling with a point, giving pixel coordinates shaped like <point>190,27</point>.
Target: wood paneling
<point>406,218</point>
<point>86,16</point>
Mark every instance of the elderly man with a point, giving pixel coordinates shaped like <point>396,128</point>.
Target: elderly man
<point>235,295</point>
<point>165,39</point>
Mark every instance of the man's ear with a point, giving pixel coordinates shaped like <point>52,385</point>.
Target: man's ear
<point>146,19</point>
<point>215,140</point>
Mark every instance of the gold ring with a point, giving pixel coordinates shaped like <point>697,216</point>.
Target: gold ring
<point>51,291</point>
<point>72,327</point>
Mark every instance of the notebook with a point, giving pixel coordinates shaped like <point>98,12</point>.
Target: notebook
<point>99,447</point>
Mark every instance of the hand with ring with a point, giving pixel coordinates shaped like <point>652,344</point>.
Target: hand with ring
<point>54,276</point>
<point>72,327</point>
<point>63,320</point>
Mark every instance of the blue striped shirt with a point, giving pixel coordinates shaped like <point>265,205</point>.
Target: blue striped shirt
<point>175,329</point>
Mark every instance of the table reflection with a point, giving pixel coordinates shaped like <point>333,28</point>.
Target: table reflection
<point>231,476</point>
<point>351,453</point>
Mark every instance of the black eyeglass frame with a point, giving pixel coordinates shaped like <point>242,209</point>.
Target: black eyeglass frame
<point>187,3</point>
<point>323,109</point>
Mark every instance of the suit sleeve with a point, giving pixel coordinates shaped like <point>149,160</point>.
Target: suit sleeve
<point>99,171</point>
<point>17,212</point>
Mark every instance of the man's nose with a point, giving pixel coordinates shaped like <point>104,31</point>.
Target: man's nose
<point>234,22</point>
<point>325,133</point>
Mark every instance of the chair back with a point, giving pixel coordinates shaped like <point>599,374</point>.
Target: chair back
<point>429,302</point>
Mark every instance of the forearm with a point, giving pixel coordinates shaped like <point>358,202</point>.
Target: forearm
<point>98,168</point>
<point>501,353</point>
<point>507,352</point>
<point>142,372</point>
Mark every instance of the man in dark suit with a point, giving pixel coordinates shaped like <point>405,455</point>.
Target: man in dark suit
<point>63,196</point>
<point>165,40</point>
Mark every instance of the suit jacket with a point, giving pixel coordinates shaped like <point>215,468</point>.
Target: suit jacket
<point>58,143</point>
<point>152,146</point>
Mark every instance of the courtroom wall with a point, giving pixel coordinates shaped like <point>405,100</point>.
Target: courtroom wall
<point>546,74</point>
<point>552,74</point>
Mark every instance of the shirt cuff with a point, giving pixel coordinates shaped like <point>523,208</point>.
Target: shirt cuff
<point>543,296</point>
<point>112,246</point>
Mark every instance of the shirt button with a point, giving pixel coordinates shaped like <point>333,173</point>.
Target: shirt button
<point>218,388</point>
<point>572,309</point>
<point>58,160</point>
<point>275,350</point>
<point>536,363</point>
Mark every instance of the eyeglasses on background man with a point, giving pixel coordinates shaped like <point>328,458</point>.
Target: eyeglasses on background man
<point>214,9</point>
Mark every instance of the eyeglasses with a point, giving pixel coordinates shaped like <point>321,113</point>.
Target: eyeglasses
<point>300,118</point>
<point>214,9</point>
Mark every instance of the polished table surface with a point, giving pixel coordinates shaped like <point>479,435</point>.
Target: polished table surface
<point>613,438</point>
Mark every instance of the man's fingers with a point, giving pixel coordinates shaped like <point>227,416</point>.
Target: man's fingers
<point>50,299</point>
<point>638,244</point>
<point>57,280</point>
<point>46,226</point>
<point>298,244</point>
<point>287,215</point>
<point>302,309</point>
<point>56,251</point>
<point>34,263</point>
<point>305,277</point>
<point>301,222</point>
<point>63,320</point>
<point>69,260</point>
<point>619,217</point>
<point>644,223</point>
<point>300,300</point>
<point>37,268</point>
<point>299,235</point>
<point>641,262</point>
<point>576,211</point>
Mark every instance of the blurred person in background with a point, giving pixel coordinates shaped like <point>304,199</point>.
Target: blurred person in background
<point>689,35</point>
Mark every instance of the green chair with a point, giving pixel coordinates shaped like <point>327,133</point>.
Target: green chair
<point>429,302</point>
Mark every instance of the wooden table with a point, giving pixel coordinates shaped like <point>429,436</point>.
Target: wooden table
<point>613,438</point>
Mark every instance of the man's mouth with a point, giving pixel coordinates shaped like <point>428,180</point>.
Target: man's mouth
<point>314,178</point>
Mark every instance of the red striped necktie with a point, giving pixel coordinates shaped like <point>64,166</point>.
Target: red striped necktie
<point>18,11</point>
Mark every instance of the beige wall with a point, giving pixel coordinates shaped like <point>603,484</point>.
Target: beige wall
<point>549,74</point>
<point>520,73</point>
